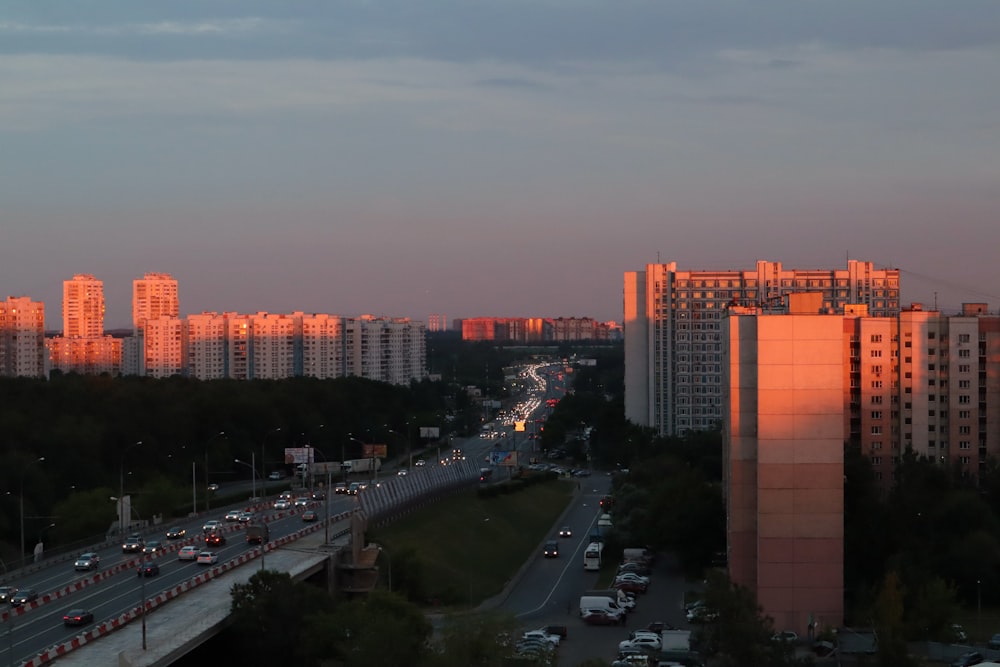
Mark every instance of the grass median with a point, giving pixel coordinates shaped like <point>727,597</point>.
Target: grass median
<point>463,549</point>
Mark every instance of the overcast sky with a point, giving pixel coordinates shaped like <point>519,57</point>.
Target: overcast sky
<point>491,157</point>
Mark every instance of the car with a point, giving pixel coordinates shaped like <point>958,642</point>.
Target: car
<point>213,487</point>
<point>968,659</point>
<point>543,635</point>
<point>211,526</point>
<point>214,539</point>
<point>132,545</point>
<point>632,576</point>
<point>317,495</point>
<point>630,586</point>
<point>275,476</point>
<point>189,552</point>
<point>77,617</point>
<point>282,504</point>
<point>643,632</point>
<point>153,547</point>
<point>601,617</point>
<point>87,561</point>
<point>233,515</point>
<point>994,643</point>
<point>301,501</point>
<point>701,614</point>
<point>354,488</point>
<point>785,636</point>
<point>420,463</point>
<point>246,517</point>
<point>23,596</point>
<point>649,642</point>
<point>340,488</point>
<point>6,593</point>
<point>176,533</point>
<point>207,558</point>
<point>148,569</point>
<point>634,566</point>
<point>565,532</point>
<point>309,516</point>
<point>401,472</point>
<point>551,549</point>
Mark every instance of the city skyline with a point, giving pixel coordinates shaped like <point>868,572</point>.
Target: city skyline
<point>491,160</point>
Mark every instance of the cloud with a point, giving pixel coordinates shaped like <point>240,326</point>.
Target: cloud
<point>218,27</point>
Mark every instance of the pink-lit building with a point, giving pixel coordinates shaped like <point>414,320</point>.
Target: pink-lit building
<point>783,460</point>
<point>22,338</point>
<point>535,329</point>
<point>83,347</point>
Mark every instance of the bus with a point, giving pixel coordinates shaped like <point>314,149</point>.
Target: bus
<point>592,556</point>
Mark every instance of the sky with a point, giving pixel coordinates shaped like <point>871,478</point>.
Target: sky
<point>491,157</point>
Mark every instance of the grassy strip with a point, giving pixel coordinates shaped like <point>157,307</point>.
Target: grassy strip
<point>470,547</point>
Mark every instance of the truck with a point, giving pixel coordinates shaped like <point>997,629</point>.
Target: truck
<point>258,533</point>
<point>363,465</point>
<point>625,600</point>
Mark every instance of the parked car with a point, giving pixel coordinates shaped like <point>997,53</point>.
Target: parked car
<point>309,516</point>
<point>994,643</point>
<point>543,635</point>
<point>76,617</point>
<point>87,561</point>
<point>647,641</point>
<point>148,569</point>
<point>189,552</point>
<point>632,576</point>
<point>23,596</point>
<point>207,558</point>
<point>602,617</point>
<point>630,586</point>
<point>176,533</point>
<point>968,659</point>
<point>634,568</point>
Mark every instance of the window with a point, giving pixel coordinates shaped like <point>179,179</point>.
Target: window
<point>876,400</point>
<point>876,430</point>
<point>963,354</point>
<point>963,368</point>
<point>963,338</point>
<point>876,445</point>
<point>877,384</point>
<point>876,338</point>
<point>876,414</point>
<point>964,444</point>
<point>876,353</point>
<point>963,399</point>
<point>876,460</point>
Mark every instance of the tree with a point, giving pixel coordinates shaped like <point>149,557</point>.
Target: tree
<point>477,640</point>
<point>888,616</point>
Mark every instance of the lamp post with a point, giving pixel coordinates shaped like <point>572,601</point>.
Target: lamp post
<point>208,494</point>
<point>253,470</point>
<point>24,471</point>
<point>326,497</point>
<point>263,453</point>
<point>409,450</point>
<point>122,519</point>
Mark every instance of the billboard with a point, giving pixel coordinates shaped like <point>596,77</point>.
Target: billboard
<point>498,458</point>
<point>519,427</point>
<point>374,451</point>
<point>298,455</point>
<point>430,432</point>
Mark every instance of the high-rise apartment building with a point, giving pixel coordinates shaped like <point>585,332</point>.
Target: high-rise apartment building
<point>22,337</point>
<point>154,295</point>
<point>163,346</point>
<point>437,322</point>
<point>83,307</point>
<point>673,348</point>
<point>206,345</point>
<point>83,347</point>
<point>783,460</point>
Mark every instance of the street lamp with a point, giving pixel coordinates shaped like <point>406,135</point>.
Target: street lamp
<point>121,489</point>
<point>208,494</point>
<point>253,469</point>
<point>263,452</point>
<point>409,450</point>
<point>24,471</point>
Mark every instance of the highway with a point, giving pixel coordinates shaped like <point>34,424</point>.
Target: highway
<point>113,588</point>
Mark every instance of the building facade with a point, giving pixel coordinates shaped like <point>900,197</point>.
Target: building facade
<point>22,338</point>
<point>783,461</point>
<point>522,330</point>
<point>84,347</point>
<point>672,320</point>
<point>154,296</point>
<point>83,307</point>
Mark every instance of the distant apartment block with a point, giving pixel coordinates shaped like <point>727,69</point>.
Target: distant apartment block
<point>22,338</point>
<point>84,347</point>
<point>672,323</point>
<point>154,296</point>
<point>519,330</point>
<point>437,322</point>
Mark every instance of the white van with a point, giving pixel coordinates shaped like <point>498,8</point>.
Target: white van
<point>605,602</point>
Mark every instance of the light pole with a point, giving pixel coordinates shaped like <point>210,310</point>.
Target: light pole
<point>253,470</point>
<point>41,537</point>
<point>263,453</point>
<point>409,450</point>
<point>326,497</point>
<point>122,519</point>
<point>208,494</point>
<point>24,471</point>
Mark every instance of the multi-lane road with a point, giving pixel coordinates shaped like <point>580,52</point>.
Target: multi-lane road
<point>114,588</point>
